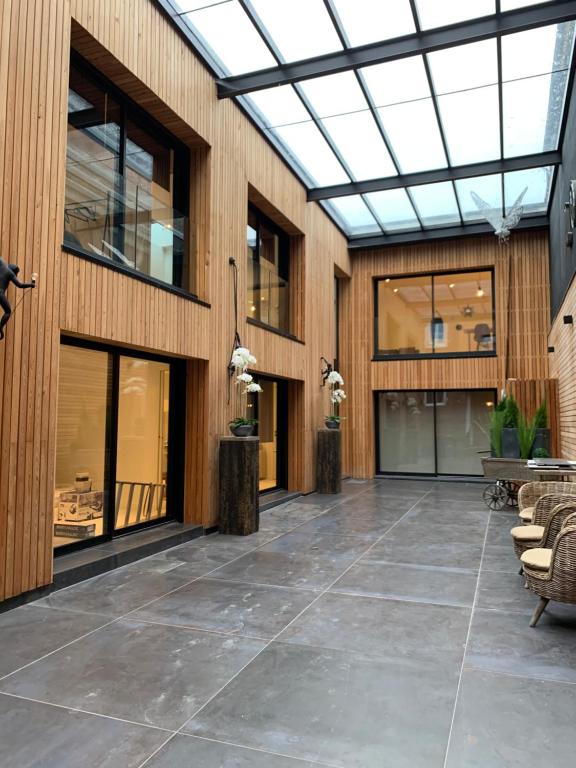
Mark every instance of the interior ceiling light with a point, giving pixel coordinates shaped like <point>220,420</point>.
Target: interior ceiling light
<point>452,285</point>
<point>395,290</point>
<point>479,292</point>
<point>502,224</point>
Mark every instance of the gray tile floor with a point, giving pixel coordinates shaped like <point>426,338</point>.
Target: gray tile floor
<point>383,628</point>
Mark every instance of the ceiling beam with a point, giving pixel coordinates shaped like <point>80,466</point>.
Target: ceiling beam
<point>440,233</point>
<point>422,42</point>
<point>431,177</point>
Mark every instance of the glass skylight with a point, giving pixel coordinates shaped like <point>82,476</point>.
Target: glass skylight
<point>452,107</point>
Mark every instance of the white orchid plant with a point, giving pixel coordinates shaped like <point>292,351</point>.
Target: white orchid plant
<point>241,359</point>
<point>337,394</point>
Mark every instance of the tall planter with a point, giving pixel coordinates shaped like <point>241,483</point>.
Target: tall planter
<point>238,485</point>
<point>542,440</point>
<point>329,461</point>
<point>510,444</point>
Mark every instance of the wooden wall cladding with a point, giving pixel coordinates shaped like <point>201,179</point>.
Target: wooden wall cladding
<point>522,315</point>
<point>132,42</point>
<point>563,367</point>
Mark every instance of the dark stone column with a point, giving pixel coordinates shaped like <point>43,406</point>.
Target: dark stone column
<point>329,462</point>
<point>238,487</point>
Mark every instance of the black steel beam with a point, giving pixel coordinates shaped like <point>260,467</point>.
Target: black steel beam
<point>441,174</point>
<point>401,47</point>
<point>440,233</point>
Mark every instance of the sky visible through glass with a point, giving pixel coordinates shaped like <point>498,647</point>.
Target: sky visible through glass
<point>471,103</point>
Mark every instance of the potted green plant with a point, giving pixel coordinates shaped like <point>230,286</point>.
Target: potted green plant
<point>542,438</point>
<point>510,444</point>
<point>337,396</point>
<point>496,427</point>
<point>242,426</point>
<point>526,434</point>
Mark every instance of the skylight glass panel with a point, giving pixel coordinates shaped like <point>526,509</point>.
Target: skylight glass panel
<point>488,188</point>
<point>184,6</point>
<point>397,81</point>
<point>355,215</point>
<point>413,132</point>
<point>311,150</point>
<point>439,13</point>
<point>537,180</point>
<point>510,5</point>
<point>533,113</point>
<point>393,208</point>
<point>299,28</point>
<point>360,144</point>
<point>279,106</point>
<point>464,66</point>
<point>471,125</point>
<point>334,94</point>
<point>368,21</point>
<point>537,51</point>
<point>228,31</point>
<point>436,204</point>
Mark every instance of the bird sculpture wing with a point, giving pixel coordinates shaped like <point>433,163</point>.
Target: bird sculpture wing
<point>515,213</point>
<point>491,214</point>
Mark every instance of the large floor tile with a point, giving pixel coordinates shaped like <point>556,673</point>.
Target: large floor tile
<point>365,524</point>
<point>184,751</point>
<point>409,582</point>
<point>500,558</point>
<point>306,571</point>
<point>29,632</point>
<point>313,542</point>
<point>242,609</point>
<point>505,592</point>
<point>146,673</point>
<point>504,642</point>
<point>413,551</point>
<point>288,516</point>
<point>334,707</point>
<point>383,628</point>
<point>34,735</point>
<point>427,533</point>
<point>508,722</point>
<point>117,592</point>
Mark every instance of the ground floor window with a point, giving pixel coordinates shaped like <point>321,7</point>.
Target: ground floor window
<point>270,408</point>
<point>117,431</point>
<point>433,432</point>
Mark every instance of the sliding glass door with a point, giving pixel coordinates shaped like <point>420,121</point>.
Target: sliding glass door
<point>119,444</point>
<point>433,432</point>
<point>270,408</point>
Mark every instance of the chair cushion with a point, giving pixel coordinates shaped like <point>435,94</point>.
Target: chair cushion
<point>527,532</point>
<point>526,514</point>
<point>539,559</point>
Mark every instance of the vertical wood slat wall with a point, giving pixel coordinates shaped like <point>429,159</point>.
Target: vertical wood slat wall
<point>132,42</point>
<point>526,324</point>
<point>563,367</point>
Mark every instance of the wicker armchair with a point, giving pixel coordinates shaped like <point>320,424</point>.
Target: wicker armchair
<point>549,514</point>
<point>551,573</point>
<point>529,494</point>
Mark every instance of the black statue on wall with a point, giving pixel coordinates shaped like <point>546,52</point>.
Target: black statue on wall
<point>8,274</point>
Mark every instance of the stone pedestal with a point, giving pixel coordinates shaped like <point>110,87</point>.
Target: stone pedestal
<point>238,485</point>
<point>329,461</point>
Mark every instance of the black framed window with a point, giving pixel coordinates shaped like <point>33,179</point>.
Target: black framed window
<point>268,249</point>
<point>450,314</point>
<point>127,183</point>
<point>119,443</point>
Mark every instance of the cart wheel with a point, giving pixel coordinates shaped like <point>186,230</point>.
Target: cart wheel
<point>495,496</point>
<point>512,488</point>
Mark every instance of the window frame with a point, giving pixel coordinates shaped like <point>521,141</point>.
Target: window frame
<point>284,257</point>
<point>379,357</point>
<point>132,112</point>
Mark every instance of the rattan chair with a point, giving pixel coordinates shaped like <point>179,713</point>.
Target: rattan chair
<point>529,494</point>
<point>549,514</point>
<point>551,573</point>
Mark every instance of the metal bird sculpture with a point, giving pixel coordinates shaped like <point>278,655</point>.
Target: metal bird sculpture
<point>502,224</point>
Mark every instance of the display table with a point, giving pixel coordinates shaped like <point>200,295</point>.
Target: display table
<point>329,461</point>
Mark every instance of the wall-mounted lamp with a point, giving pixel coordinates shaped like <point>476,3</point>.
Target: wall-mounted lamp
<point>550,349</point>
<point>326,370</point>
<point>567,319</point>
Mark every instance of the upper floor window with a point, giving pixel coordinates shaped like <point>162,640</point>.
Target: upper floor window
<point>126,183</point>
<point>268,272</point>
<point>441,314</point>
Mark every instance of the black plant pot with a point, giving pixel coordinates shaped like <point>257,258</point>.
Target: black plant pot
<point>510,444</point>
<point>332,424</point>
<point>242,430</point>
<point>542,440</point>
